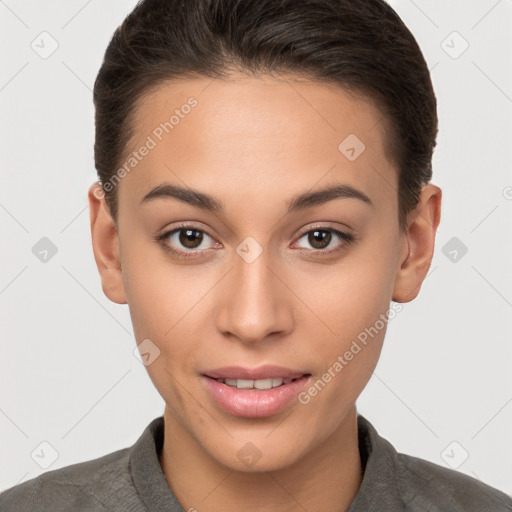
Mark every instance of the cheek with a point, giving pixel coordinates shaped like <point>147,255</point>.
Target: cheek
<point>167,306</point>
<point>348,363</point>
<point>162,297</point>
<point>348,299</point>
<point>356,315</point>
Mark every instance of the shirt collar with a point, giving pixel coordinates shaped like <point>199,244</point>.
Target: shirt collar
<point>147,474</point>
<point>378,490</point>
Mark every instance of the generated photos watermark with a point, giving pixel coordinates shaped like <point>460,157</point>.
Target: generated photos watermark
<point>355,348</point>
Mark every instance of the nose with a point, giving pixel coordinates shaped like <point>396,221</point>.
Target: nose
<point>254,304</point>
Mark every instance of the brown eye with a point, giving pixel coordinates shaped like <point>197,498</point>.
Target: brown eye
<point>326,241</point>
<point>319,238</point>
<point>186,242</point>
<point>190,238</point>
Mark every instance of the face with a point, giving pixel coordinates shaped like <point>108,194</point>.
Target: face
<point>256,275</point>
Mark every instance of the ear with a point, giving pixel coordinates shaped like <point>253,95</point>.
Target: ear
<point>105,244</point>
<point>418,248</point>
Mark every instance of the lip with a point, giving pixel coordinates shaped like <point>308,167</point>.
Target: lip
<point>262,372</point>
<point>253,403</point>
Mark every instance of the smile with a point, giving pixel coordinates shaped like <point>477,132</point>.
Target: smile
<point>234,392</point>
<point>256,384</point>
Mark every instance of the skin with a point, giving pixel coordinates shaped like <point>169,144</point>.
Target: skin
<point>253,143</point>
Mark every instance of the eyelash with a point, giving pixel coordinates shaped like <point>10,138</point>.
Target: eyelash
<point>346,237</point>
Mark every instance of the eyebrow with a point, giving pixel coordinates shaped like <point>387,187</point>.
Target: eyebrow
<point>296,203</point>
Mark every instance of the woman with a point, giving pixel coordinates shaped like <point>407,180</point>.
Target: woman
<point>264,208</point>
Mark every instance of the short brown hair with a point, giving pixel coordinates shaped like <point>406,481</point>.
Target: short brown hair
<point>361,45</point>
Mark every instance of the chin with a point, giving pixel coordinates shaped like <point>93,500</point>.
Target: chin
<point>256,457</point>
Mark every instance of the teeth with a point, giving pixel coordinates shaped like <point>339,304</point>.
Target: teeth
<point>255,384</point>
<point>263,383</point>
<point>244,384</point>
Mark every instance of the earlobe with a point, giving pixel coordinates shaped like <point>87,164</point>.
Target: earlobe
<point>105,243</point>
<point>419,243</point>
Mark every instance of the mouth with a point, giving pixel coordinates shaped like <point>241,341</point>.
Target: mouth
<point>270,383</point>
<point>254,393</point>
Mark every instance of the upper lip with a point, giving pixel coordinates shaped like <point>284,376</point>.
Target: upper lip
<point>261,372</point>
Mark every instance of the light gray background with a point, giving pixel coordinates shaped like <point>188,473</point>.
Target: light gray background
<point>68,375</point>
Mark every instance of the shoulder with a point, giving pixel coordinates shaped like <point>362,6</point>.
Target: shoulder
<point>89,485</point>
<point>424,485</point>
<point>400,481</point>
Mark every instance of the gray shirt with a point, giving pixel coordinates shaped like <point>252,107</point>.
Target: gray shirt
<point>132,480</point>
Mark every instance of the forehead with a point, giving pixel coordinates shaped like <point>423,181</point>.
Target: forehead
<point>259,133</point>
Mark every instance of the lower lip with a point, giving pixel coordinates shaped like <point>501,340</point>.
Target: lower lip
<point>253,403</point>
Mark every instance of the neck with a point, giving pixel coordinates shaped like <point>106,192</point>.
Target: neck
<point>326,479</point>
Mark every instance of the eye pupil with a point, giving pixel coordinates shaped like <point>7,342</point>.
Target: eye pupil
<point>187,239</point>
<point>319,235</point>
